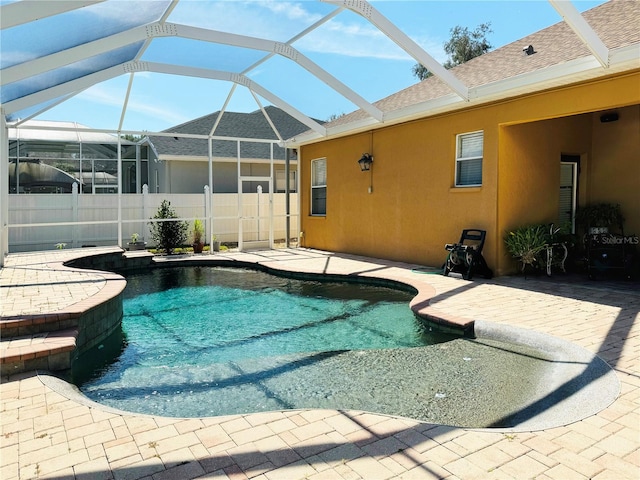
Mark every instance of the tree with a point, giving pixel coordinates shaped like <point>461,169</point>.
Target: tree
<point>132,138</point>
<point>461,47</point>
<point>168,234</point>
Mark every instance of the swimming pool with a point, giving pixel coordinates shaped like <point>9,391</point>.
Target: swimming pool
<point>207,341</point>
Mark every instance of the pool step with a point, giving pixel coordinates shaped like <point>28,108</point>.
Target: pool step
<point>40,351</point>
<point>20,326</point>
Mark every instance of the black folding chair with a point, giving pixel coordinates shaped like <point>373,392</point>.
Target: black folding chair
<point>465,257</point>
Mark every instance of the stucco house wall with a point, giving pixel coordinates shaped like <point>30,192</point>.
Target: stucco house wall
<point>414,208</point>
<point>190,175</point>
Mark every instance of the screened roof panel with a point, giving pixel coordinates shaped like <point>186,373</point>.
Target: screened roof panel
<point>61,32</point>
<point>193,53</point>
<point>350,35</point>
<point>273,20</point>
<point>306,89</point>
<point>69,72</point>
<point>30,111</point>
<point>333,48</point>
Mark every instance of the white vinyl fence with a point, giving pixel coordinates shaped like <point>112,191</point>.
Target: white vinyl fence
<point>42,221</point>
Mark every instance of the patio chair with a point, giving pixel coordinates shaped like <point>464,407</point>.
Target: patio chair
<point>465,257</point>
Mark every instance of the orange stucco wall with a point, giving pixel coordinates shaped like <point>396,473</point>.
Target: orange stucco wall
<point>414,209</point>
<point>530,170</point>
<point>613,175</point>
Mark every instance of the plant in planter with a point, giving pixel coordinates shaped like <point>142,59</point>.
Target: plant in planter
<point>198,233</point>
<point>215,244</point>
<point>168,233</point>
<point>135,244</point>
<point>599,217</point>
<point>526,244</point>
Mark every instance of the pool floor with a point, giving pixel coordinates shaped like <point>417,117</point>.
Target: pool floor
<point>212,341</point>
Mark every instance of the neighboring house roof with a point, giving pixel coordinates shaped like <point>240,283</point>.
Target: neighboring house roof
<point>616,23</point>
<point>60,132</point>
<point>34,174</point>
<point>232,124</point>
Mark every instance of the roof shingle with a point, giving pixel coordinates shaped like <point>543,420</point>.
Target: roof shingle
<point>615,22</point>
<point>232,124</point>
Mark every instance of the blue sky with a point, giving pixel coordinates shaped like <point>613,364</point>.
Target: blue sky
<point>348,47</point>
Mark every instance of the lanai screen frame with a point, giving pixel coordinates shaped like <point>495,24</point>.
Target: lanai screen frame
<point>19,13</point>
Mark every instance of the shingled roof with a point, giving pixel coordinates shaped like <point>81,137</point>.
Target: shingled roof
<point>615,22</point>
<point>232,124</point>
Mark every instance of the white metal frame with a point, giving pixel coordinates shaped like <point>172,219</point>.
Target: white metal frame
<point>20,13</point>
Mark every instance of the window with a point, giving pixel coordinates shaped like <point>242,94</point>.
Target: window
<point>469,159</point>
<point>319,187</point>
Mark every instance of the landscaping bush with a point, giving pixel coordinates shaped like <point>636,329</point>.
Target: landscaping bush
<point>168,234</point>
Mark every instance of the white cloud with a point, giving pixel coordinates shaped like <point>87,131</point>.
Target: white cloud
<point>364,41</point>
<point>274,20</point>
<point>292,10</point>
<point>115,98</point>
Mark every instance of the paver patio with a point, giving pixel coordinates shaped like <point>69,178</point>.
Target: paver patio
<point>48,432</point>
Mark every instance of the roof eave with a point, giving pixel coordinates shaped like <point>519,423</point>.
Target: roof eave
<point>585,68</point>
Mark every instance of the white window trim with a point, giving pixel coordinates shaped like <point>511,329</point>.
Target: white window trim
<point>463,159</point>
<point>317,186</point>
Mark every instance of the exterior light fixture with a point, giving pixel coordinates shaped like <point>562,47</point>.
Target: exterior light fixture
<point>365,162</point>
<point>529,50</point>
<point>609,117</point>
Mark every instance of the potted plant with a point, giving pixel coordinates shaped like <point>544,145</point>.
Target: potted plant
<point>198,233</point>
<point>135,244</point>
<point>526,244</point>
<point>599,217</point>
<point>215,244</point>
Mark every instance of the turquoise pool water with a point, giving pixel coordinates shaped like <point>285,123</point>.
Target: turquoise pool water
<point>212,341</point>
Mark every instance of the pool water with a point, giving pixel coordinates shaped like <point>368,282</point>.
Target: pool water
<point>207,341</point>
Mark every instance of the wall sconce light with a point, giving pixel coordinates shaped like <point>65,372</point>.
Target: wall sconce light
<point>365,162</point>
<point>529,50</point>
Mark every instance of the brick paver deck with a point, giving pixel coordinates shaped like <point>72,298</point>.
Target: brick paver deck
<point>47,433</point>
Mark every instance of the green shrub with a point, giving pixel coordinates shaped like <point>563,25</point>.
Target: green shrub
<point>526,243</point>
<point>167,233</point>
